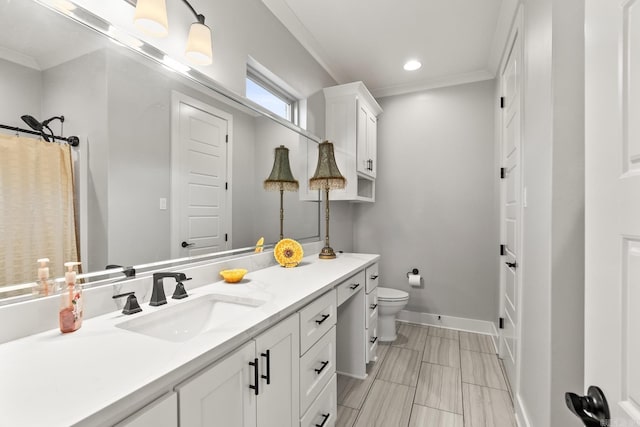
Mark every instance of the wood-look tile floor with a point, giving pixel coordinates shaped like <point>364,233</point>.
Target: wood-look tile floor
<point>429,377</point>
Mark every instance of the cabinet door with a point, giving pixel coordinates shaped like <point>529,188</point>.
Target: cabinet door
<point>277,349</point>
<point>372,144</point>
<point>162,412</point>
<point>362,157</point>
<point>220,395</point>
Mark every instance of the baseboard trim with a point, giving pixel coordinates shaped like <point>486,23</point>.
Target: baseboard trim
<point>459,323</point>
<point>521,414</point>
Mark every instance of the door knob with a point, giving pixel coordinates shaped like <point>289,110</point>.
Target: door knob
<point>592,409</point>
<point>186,245</point>
<point>511,264</point>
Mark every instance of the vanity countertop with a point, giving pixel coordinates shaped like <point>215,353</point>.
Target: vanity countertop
<point>99,372</point>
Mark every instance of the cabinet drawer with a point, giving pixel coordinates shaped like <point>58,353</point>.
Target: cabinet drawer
<point>316,319</point>
<point>316,368</point>
<point>350,286</point>
<point>372,338</point>
<point>372,277</point>
<point>372,306</point>
<point>324,410</point>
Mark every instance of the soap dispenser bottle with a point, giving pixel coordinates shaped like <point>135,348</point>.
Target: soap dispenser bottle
<point>71,301</point>
<point>44,285</point>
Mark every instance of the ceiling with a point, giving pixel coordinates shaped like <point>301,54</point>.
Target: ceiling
<point>457,41</point>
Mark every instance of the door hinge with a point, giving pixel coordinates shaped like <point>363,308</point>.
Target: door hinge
<point>502,102</point>
<point>501,322</point>
<point>226,138</point>
<point>226,237</point>
<point>502,250</point>
<point>503,173</point>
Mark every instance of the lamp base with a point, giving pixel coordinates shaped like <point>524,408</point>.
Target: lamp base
<point>327,253</point>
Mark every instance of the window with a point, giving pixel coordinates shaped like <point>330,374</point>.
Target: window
<point>273,97</point>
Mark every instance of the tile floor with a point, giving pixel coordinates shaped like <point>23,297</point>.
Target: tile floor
<point>429,377</point>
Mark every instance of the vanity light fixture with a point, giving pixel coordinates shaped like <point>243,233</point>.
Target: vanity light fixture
<point>151,17</point>
<point>412,65</point>
<point>327,177</point>
<point>281,179</point>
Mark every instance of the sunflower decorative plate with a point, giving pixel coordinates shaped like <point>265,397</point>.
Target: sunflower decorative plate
<point>288,253</point>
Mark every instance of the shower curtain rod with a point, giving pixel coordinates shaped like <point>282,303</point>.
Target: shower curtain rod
<point>74,141</point>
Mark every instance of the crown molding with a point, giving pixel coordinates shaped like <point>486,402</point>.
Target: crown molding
<point>458,79</point>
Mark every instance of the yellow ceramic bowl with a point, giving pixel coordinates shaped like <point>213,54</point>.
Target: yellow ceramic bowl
<point>233,276</point>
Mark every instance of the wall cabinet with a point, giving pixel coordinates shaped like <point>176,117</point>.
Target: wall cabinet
<point>255,386</point>
<point>351,124</point>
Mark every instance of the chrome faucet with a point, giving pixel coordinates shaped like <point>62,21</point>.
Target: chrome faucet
<point>157,295</point>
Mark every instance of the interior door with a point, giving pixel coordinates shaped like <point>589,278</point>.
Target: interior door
<point>200,175</point>
<point>612,210</point>
<point>511,208</point>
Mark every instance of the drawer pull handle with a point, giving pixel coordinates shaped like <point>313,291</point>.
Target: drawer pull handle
<point>373,306</point>
<point>324,365</point>
<point>324,317</point>
<point>255,376</point>
<point>267,355</point>
<point>325,418</point>
<point>373,340</point>
<point>373,277</point>
<point>354,286</point>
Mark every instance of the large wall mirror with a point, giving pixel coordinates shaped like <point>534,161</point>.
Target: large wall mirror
<point>126,108</point>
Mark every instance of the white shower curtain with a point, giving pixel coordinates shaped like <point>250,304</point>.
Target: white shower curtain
<point>37,214</point>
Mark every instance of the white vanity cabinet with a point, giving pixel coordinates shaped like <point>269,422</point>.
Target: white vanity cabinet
<point>255,386</point>
<point>351,124</point>
<point>371,310</point>
<point>318,393</point>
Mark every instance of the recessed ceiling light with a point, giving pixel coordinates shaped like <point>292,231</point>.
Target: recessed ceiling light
<point>412,65</point>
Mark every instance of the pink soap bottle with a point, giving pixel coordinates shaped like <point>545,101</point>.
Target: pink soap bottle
<point>71,301</point>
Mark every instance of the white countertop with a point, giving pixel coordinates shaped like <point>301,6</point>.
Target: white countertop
<point>55,379</point>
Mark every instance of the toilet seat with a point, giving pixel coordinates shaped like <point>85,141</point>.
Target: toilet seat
<point>390,294</point>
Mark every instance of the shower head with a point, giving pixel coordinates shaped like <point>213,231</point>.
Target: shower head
<point>37,126</point>
<point>32,122</point>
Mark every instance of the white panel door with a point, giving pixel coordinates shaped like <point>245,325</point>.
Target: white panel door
<point>200,161</point>
<point>511,82</point>
<point>612,211</point>
<point>277,349</point>
<point>220,395</point>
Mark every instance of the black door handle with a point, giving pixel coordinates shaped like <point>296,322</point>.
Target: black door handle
<point>324,365</point>
<point>326,417</point>
<point>354,286</point>
<point>324,317</point>
<point>373,276</point>
<point>256,379</point>
<point>592,409</point>
<point>186,245</point>
<point>373,306</point>
<point>373,340</point>
<point>267,355</point>
<point>512,264</point>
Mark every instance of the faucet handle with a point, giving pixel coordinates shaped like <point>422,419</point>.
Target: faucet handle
<point>180,292</point>
<point>131,306</point>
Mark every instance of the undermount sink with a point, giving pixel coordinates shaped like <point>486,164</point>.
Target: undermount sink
<point>191,318</point>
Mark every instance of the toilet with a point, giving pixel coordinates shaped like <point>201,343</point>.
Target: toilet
<point>390,302</point>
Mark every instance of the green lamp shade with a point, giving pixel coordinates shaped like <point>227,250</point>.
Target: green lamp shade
<point>281,177</point>
<point>327,173</point>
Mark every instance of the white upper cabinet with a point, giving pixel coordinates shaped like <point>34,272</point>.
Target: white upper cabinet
<point>351,124</point>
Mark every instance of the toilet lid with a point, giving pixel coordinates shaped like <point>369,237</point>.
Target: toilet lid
<point>391,294</point>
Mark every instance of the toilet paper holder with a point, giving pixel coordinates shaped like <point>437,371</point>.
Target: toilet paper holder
<point>413,271</point>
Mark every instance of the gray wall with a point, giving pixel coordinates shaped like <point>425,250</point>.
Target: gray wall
<point>553,223</point>
<point>435,200</point>
<point>21,89</point>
